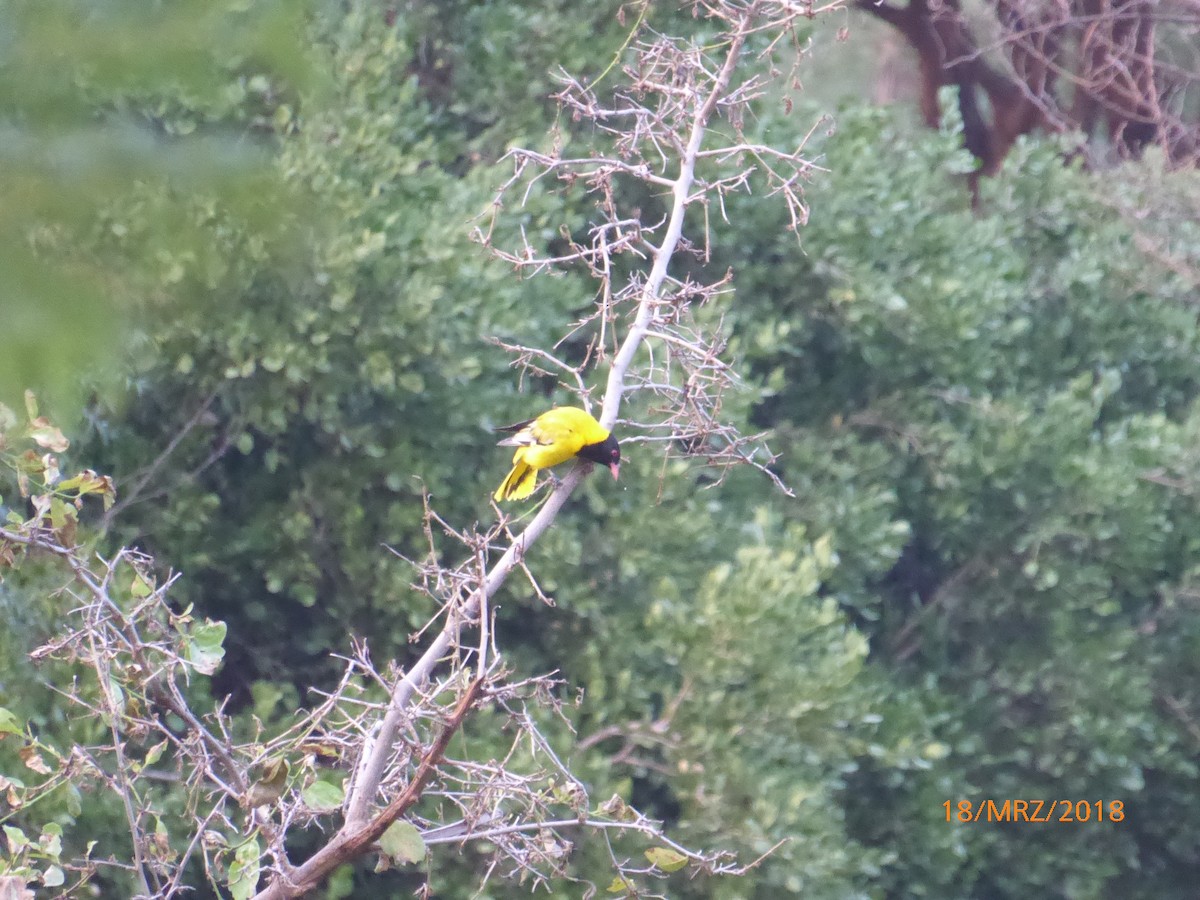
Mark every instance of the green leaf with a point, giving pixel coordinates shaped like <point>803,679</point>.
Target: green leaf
<point>666,859</point>
<point>620,885</point>
<point>141,588</point>
<point>154,754</point>
<point>412,382</point>
<point>244,870</point>
<point>823,551</point>
<point>936,750</point>
<point>403,843</point>
<point>53,877</point>
<point>118,695</point>
<point>204,646</point>
<point>61,514</point>
<point>16,839</point>
<point>88,482</point>
<point>50,841</point>
<point>9,723</point>
<point>323,796</point>
<point>340,884</point>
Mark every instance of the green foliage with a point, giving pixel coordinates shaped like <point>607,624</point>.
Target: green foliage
<point>51,825</point>
<point>126,134</point>
<point>776,709</point>
<point>489,69</point>
<point>328,400</point>
<point>995,400</point>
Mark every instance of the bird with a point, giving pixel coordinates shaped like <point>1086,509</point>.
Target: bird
<point>554,437</point>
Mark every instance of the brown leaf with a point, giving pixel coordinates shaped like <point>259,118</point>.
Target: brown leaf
<point>33,760</point>
<point>48,436</point>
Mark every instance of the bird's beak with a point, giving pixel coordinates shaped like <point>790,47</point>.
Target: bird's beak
<point>615,468</point>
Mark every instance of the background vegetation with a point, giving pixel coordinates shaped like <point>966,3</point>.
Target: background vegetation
<point>985,586</point>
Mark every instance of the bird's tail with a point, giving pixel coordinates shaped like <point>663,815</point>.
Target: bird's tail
<point>519,483</point>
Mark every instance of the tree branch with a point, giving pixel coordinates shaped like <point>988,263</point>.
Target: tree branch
<point>351,842</point>
<point>377,748</point>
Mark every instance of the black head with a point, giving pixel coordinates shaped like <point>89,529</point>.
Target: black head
<point>607,453</point>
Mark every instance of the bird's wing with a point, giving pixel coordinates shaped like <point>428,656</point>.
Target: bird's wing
<point>517,426</point>
<point>523,436</point>
<point>575,422</point>
<point>558,431</point>
<point>562,427</point>
<point>534,433</point>
<point>528,436</point>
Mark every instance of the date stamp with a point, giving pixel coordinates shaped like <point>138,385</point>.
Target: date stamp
<point>1068,812</point>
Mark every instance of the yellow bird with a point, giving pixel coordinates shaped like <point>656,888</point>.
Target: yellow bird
<point>554,437</point>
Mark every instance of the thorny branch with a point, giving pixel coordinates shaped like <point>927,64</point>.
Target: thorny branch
<point>677,128</point>
<point>659,122</point>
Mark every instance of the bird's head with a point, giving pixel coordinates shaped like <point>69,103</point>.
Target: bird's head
<point>607,453</point>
